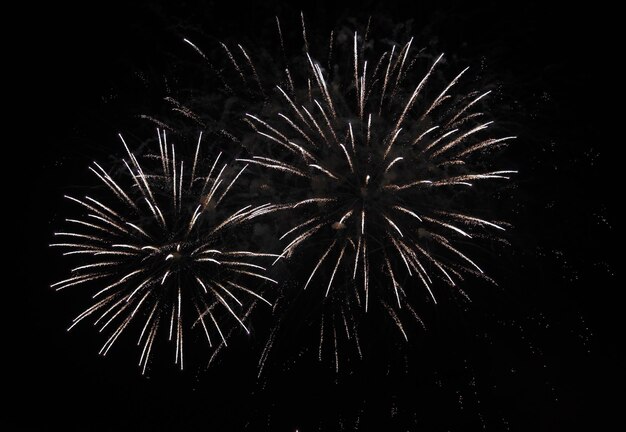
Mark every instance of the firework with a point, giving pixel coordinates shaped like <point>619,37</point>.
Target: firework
<point>157,249</point>
<point>384,162</point>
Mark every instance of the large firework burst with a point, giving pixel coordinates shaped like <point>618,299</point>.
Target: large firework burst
<point>383,165</point>
<point>385,159</point>
<point>158,248</point>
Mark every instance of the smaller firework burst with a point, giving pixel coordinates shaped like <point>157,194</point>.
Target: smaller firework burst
<point>159,247</point>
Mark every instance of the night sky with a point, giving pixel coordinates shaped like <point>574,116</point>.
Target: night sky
<point>537,354</point>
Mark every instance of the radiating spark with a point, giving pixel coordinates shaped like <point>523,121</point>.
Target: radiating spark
<point>332,276</point>
<point>321,260</point>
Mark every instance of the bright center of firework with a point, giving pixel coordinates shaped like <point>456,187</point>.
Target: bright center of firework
<point>175,257</point>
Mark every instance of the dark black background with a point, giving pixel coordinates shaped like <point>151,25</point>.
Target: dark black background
<point>81,89</point>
